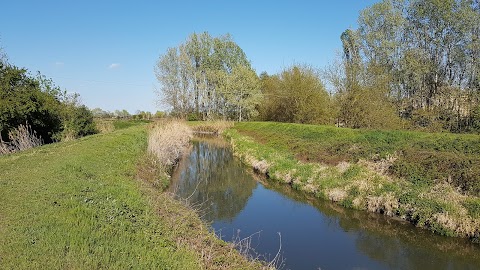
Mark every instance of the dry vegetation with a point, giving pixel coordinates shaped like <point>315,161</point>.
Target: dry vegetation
<point>104,126</point>
<point>167,141</point>
<point>20,138</point>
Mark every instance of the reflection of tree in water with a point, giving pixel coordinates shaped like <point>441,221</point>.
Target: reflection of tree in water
<point>209,175</point>
<point>396,244</point>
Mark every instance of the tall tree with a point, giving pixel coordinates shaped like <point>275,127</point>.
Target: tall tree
<point>242,92</point>
<point>423,54</point>
<point>193,74</point>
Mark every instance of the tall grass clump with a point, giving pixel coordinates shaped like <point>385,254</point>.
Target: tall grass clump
<point>20,138</point>
<point>167,141</point>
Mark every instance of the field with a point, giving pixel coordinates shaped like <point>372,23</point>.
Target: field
<point>80,205</point>
<point>430,179</point>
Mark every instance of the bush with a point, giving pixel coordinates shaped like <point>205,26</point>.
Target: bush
<point>77,122</point>
<point>52,113</point>
<point>23,101</point>
<point>193,117</point>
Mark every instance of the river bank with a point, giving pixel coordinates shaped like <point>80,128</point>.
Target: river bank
<point>371,170</point>
<point>81,204</point>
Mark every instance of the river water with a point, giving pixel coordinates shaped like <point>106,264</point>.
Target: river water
<point>310,233</point>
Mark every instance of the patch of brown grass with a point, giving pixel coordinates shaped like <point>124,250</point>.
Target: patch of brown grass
<point>104,126</point>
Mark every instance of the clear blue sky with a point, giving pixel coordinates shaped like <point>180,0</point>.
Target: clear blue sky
<point>106,50</point>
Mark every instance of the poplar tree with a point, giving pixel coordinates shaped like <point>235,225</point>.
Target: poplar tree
<point>209,77</point>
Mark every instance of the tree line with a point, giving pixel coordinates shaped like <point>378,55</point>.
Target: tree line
<point>36,102</point>
<point>410,64</point>
<point>414,60</point>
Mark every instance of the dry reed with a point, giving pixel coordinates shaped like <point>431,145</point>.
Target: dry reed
<point>167,141</point>
<point>20,138</point>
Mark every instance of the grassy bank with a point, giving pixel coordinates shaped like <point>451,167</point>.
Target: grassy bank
<point>78,205</point>
<point>429,179</point>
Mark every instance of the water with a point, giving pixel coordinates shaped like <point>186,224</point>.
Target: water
<point>312,234</point>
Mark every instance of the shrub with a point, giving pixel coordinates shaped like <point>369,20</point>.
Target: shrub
<point>77,122</point>
<point>193,117</point>
<point>23,100</point>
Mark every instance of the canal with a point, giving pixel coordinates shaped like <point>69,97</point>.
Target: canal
<point>309,233</point>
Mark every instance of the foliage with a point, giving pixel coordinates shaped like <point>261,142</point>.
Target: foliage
<point>197,76</point>
<point>295,95</point>
<point>99,113</point>
<point>23,101</point>
<point>159,114</point>
<point>418,59</point>
<point>241,91</point>
<point>121,114</point>
<point>142,115</point>
<point>77,121</point>
<point>52,114</point>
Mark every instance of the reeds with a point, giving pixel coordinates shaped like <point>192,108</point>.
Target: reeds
<point>167,141</point>
<point>20,138</point>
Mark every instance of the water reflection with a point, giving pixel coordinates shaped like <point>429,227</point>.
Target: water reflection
<point>314,233</point>
<point>209,175</point>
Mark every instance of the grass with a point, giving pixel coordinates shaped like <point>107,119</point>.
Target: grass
<point>77,205</point>
<point>429,179</point>
<point>419,157</point>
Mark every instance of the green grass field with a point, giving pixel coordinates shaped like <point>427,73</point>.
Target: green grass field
<point>77,205</point>
<point>430,179</point>
<point>420,157</point>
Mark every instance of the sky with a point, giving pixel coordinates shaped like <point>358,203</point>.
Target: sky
<point>106,50</point>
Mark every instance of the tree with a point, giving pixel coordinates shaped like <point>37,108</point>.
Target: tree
<point>295,95</point>
<point>242,93</point>
<point>362,93</point>
<point>99,113</point>
<point>192,75</point>
<point>422,55</point>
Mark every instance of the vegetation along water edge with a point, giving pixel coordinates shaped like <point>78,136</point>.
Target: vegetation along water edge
<point>429,179</point>
<point>84,204</point>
